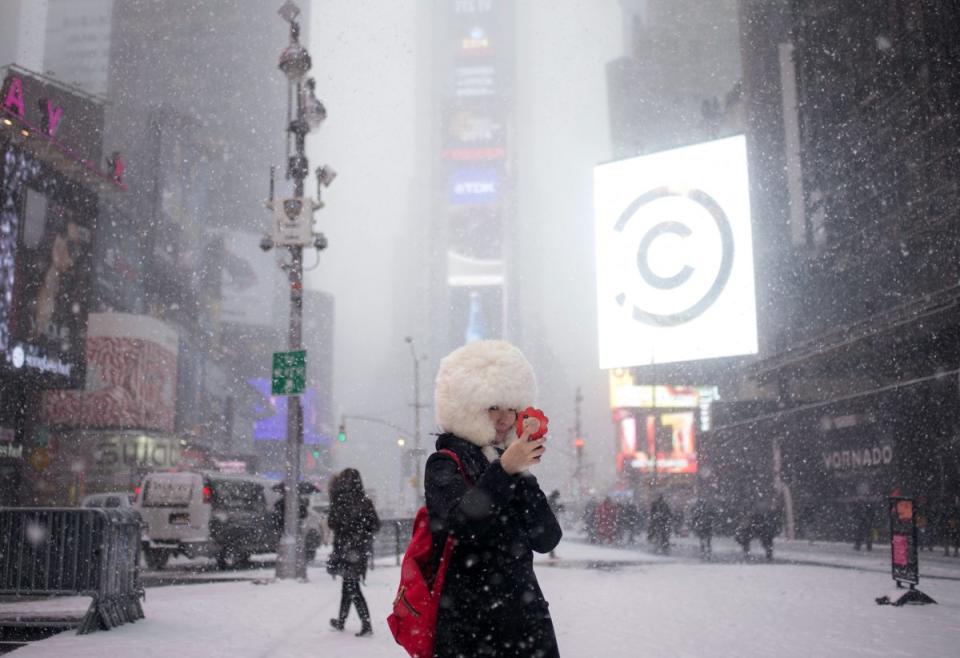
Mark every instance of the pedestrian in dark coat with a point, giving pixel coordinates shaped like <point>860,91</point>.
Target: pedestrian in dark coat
<point>557,508</point>
<point>661,520</point>
<point>491,603</point>
<point>951,530</point>
<point>354,522</point>
<point>744,532</point>
<point>766,526</point>
<point>864,525</point>
<point>701,516</point>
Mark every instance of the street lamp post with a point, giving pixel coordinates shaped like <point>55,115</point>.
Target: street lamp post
<point>293,228</point>
<point>417,450</point>
<point>578,443</point>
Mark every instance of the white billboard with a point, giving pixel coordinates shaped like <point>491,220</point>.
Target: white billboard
<point>675,256</point>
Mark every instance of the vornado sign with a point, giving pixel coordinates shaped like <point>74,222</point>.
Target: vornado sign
<point>837,460</point>
<point>675,256</point>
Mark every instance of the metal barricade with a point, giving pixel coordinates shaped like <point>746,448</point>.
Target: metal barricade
<point>393,537</point>
<point>79,552</point>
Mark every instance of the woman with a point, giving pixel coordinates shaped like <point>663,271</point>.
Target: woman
<point>491,603</point>
<point>353,522</point>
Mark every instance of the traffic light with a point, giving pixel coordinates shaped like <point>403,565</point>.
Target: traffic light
<point>315,453</point>
<point>579,443</point>
<point>342,434</point>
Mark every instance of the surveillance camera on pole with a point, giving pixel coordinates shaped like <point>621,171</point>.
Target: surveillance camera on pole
<point>293,229</point>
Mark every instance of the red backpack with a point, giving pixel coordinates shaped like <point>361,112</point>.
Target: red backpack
<point>414,618</point>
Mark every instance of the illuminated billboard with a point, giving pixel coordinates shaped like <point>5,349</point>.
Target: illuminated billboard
<point>131,377</point>
<point>270,419</point>
<point>656,442</point>
<point>675,256</point>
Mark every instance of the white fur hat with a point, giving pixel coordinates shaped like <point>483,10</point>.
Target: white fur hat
<point>475,377</point>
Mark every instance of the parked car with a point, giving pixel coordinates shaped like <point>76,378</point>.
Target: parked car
<point>318,532</point>
<point>198,514</point>
<point>111,500</point>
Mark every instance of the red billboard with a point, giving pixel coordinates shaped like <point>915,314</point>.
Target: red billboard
<point>131,377</point>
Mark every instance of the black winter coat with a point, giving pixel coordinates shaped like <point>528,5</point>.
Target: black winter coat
<point>353,523</point>
<point>491,604</point>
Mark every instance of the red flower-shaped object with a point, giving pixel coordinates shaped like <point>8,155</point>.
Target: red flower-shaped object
<point>532,412</point>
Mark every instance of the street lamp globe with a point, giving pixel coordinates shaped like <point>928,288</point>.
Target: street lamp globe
<point>295,61</point>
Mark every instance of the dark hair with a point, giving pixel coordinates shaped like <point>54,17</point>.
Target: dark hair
<point>347,484</point>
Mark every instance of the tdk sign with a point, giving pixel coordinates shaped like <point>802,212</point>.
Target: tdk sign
<point>479,185</point>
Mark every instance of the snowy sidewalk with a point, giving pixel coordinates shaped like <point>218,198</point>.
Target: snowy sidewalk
<point>637,605</point>
<point>933,564</point>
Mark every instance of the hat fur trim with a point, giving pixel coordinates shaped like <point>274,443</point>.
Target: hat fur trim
<point>475,377</point>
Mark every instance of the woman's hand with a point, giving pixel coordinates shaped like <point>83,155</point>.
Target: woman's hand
<point>522,453</point>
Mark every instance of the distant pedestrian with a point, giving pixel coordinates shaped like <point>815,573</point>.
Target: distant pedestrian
<point>701,517</point>
<point>744,532</point>
<point>660,523</point>
<point>279,508</point>
<point>925,538</point>
<point>766,523</point>
<point>864,523</point>
<point>353,521</point>
<point>951,529</point>
<point>632,520</point>
<point>590,519</point>
<point>605,521</point>
<point>557,507</point>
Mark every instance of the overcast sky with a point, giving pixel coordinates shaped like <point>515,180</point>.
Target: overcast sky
<point>366,56</point>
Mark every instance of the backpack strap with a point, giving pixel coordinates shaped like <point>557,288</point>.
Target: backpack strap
<point>456,459</point>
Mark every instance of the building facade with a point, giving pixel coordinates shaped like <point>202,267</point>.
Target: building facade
<point>473,73</point>
<point>863,371</point>
<point>54,182</point>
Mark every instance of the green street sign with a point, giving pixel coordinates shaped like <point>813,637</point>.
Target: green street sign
<point>289,372</point>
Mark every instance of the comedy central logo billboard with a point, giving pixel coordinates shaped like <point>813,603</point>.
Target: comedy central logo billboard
<point>675,256</point>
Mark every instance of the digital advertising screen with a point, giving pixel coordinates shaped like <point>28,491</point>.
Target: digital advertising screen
<point>656,442</point>
<point>674,256</point>
<point>270,414</point>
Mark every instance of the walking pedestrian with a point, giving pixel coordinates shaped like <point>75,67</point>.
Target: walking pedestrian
<point>701,516</point>
<point>557,508</point>
<point>605,521</point>
<point>743,533</point>
<point>766,525</point>
<point>631,520</point>
<point>590,519</point>
<point>864,525</point>
<point>491,603</point>
<point>353,521</point>
<point>951,530</point>
<point>661,521</point>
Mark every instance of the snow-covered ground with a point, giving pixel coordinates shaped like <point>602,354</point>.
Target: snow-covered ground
<point>605,602</point>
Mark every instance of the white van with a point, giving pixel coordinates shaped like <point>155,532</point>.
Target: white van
<point>199,514</point>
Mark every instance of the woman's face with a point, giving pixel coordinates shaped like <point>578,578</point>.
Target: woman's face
<point>503,420</point>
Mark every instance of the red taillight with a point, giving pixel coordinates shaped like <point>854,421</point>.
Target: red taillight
<point>206,494</point>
